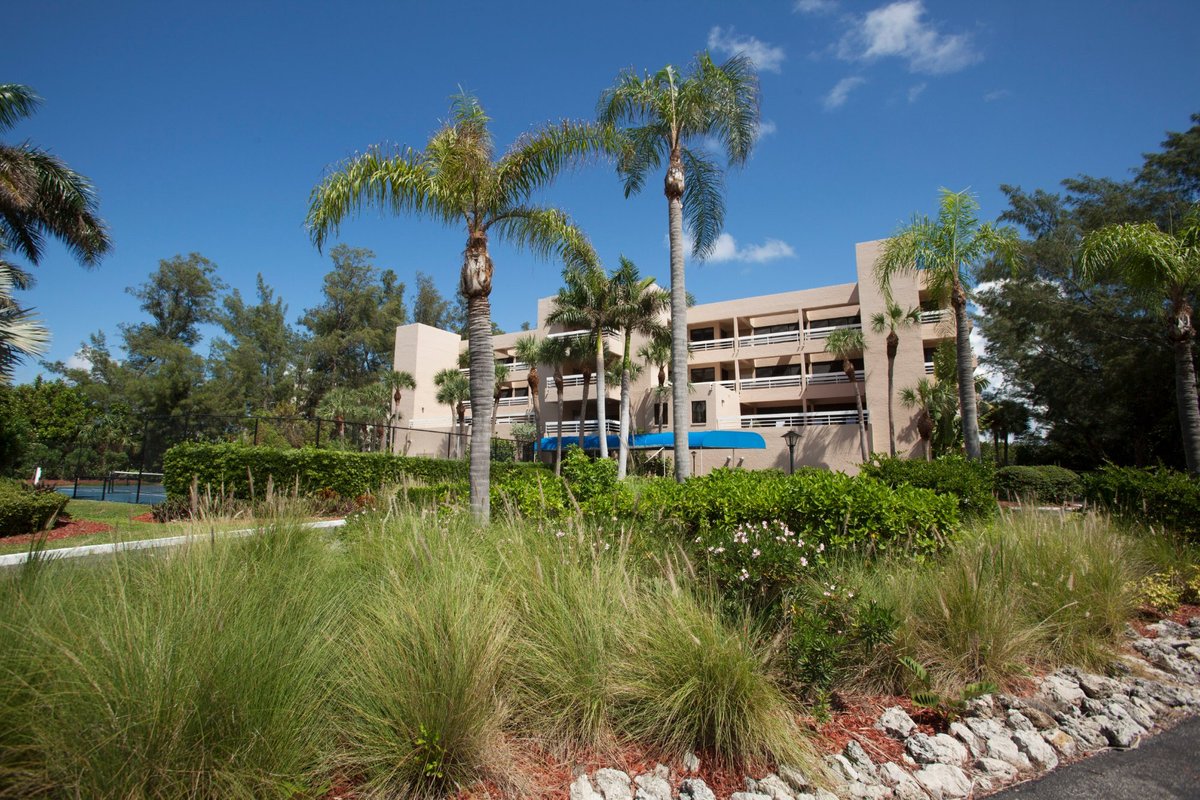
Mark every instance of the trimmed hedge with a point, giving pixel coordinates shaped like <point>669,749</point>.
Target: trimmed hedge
<point>345,474</point>
<point>1157,495</point>
<point>825,507</point>
<point>1043,484</point>
<point>972,482</point>
<point>27,510</point>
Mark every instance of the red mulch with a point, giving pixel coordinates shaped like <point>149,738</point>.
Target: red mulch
<point>65,528</point>
<point>147,517</point>
<point>1148,616</point>
<point>855,718</point>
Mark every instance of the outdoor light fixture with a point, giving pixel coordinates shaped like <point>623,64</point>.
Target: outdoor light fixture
<point>791,437</point>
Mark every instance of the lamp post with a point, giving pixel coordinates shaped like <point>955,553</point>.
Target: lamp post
<point>791,437</point>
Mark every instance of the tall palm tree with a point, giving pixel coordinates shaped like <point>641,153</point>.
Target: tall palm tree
<point>928,397</point>
<point>41,196</point>
<point>1005,417</point>
<point>453,390</point>
<point>588,301</point>
<point>458,180</point>
<point>501,374</point>
<point>658,352</point>
<point>528,349</point>
<point>397,381</point>
<point>668,113</point>
<point>892,319</point>
<point>639,307</point>
<point>948,250</point>
<point>846,343</point>
<point>555,352</point>
<point>1164,268</point>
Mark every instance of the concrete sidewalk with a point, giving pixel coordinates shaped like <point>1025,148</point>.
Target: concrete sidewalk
<point>1164,767</point>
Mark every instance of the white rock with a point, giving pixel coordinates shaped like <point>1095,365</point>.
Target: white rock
<point>1005,749</point>
<point>794,778</point>
<point>691,762</point>
<point>985,728</point>
<point>902,783</point>
<point>995,769</point>
<point>967,736</point>
<point>774,787</point>
<point>652,787</point>
<point>842,768</point>
<point>1019,722</point>
<point>1121,732</point>
<point>896,722</point>
<point>748,796</point>
<point>939,749</point>
<point>1096,686</point>
<point>1040,754</point>
<point>1061,692</point>
<point>864,791</point>
<point>695,789</point>
<point>944,781</point>
<point>613,784</point>
<point>581,789</point>
<point>862,762</point>
<point>1061,741</point>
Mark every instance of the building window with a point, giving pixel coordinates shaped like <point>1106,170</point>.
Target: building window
<point>699,412</point>
<point>704,375</point>
<point>660,413</point>
<point>701,334</point>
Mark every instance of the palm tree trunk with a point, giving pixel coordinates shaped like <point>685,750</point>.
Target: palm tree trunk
<point>623,454</point>
<point>893,343</point>
<point>453,437</point>
<point>1185,396</point>
<point>558,451</point>
<point>587,384</point>
<point>968,410</point>
<point>601,411</point>
<point>858,404</point>
<point>476,284</point>
<point>673,188</point>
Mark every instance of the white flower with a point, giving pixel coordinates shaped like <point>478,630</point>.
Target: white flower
<point>756,553</point>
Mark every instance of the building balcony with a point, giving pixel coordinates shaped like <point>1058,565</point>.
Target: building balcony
<point>823,332</point>
<point>793,420</point>
<point>523,400</point>
<point>571,427</point>
<point>935,317</point>
<point>928,367</point>
<point>784,381</point>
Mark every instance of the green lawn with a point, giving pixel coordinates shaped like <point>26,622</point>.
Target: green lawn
<point>120,517</point>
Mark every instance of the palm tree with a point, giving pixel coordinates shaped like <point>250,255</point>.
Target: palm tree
<point>588,301</point>
<point>555,352</point>
<point>40,195</point>
<point>457,180</point>
<point>21,333</point>
<point>528,349</point>
<point>928,397</point>
<point>640,304</point>
<point>844,344</point>
<point>396,381</point>
<point>453,390</point>
<point>948,250</point>
<point>1164,268</point>
<point>658,352</point>
<point>668,113</point>
<point>337,404</point>
<point>1005,417</point>
<point>891,319</point>
<point>501,374</point>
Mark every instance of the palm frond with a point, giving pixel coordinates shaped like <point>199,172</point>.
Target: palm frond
<point>1148,259</point>
<point>16,103</point>
<point>547,233</point>
<point>703,201</point>
<point>538,158</point>
<point>723,101</point>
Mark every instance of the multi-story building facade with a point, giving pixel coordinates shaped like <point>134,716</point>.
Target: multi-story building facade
<point>757,363</point>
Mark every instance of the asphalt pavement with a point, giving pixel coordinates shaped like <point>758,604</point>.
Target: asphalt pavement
<point>1164,767</point>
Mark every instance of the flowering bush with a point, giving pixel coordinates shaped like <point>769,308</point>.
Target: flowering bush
<point>760,559</point>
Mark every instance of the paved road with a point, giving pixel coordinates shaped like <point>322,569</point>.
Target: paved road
<point>1164,767</point>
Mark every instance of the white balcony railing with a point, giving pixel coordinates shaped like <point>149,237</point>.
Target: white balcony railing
<point>522,400</point>
<point>773,382</point>
<point>823,332</point>
<point>928,367</point>
<point>835,377</point>
<point>568,334</point>
<point>571,427</point>
<point>934,317</point>
<point>759,339</point>
<point>710,344</point>
<point>793,420</point>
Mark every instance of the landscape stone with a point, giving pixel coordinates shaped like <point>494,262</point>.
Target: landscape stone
<point>794,778</point>
<point>613,784</point>
<point>1086,732</point>
<point>939,749</point>
<point>995,769</point>
<point>1019,722</point>
<point>1120,732</point>
<point>896,722</point>
<point>967,737</point>
<point>691,762</point>
<point>944,781</point>
<point>842,768</point>
<point>748,796</point>
<point>1097,686</point>
<point>652,787</point>
<point>1035,748</point>
<point>904,786</point>
<point>864,791</point>
<point>1040,719</point>
<point>985,728</point>
<point>695,789</point>
<point>774,787</point>
<point>1061,741</point>
<point>581,789</point>
<point>1061,692</point>
<point>1005,749</point>
<point>862,762</point>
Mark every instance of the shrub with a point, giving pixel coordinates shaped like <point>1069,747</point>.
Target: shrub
<point>24,509</point>
<point>970,481</point>
<point>1157,495</point>
<point>1160,591</point>
<point>1043,484</point>
<point>588,477</point>
<point>534,493</point>
<point>755,563</point>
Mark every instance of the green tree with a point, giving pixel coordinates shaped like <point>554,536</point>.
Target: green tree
<point>933,401</point>
<point>949,250</point>
<point>396,381</point>
<point>1166,267</point>
<point>457,179</point>
<point>352,332</point>
<point>658,352</point>
<point>429,306</point>
<point>589,302</point>
<point>1005,418</point>
<point>454,390</point>
<point>640,305</point>
<point>254,366</point>
<point>893,319</point>
<point>556,352</point>
<point>668,115</point>
<point>529,351</point>
<point>846,343</point>
<point>41,196</point>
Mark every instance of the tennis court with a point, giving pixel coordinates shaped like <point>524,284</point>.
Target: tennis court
<point>120,487</point>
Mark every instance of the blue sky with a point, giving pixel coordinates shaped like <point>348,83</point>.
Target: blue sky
<point>205,125</point>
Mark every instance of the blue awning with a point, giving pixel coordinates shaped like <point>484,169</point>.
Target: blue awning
<point>697,440</point>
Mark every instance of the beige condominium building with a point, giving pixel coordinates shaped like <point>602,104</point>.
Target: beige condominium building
<point>757,364</point>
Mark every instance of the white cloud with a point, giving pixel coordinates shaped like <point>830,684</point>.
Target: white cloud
<point>766,127</point>
<point>814,6</point>
<point>79,361</point>
<point>841,90</point>
<point>767,57</point>
<point>898,30</point>
<point>727,249</point>
<point>998,94</point>
<point>915,92</point>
